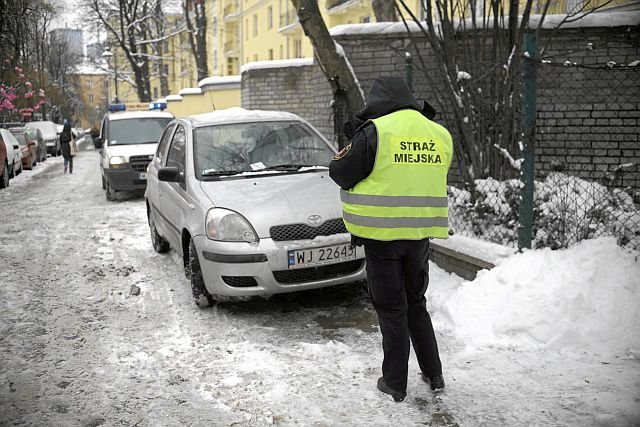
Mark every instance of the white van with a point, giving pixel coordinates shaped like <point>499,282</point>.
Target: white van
<point>128,141</point>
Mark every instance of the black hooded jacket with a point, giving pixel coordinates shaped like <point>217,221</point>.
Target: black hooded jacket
<point>65,138</point>
<point>355,162</point>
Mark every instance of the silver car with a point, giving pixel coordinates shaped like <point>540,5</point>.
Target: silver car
<point>245,197</point>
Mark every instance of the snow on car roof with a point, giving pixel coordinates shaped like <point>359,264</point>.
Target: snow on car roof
<point>238,114</point>
<point>139,114</point>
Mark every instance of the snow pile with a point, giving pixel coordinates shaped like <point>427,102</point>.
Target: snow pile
<point>582,299</point>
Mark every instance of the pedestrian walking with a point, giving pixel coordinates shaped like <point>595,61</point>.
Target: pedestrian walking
<point>393,179</point>
<point>66,143</point>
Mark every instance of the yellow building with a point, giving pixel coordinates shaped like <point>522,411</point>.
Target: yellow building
<point>265,30</point>
<point>93,90</point>
<point>244,31</point>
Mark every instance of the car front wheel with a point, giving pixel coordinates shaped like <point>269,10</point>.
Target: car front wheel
<point>201,296</point>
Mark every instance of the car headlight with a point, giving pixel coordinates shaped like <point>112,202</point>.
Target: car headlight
<point>116,161</point>
<point>229,226</point>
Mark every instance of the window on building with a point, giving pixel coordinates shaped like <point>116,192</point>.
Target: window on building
<point>255,57</point>
<point>281,52</point>
<point>90,84</point>
<point>166,69</point>
<point>155,93</point>
<point>90,97</point>
<point>255,25</point>
<point>269,17</point>
<point>246,29</point>
<point>270,54</point>
<point>365,19</point>
<point>297,48</point>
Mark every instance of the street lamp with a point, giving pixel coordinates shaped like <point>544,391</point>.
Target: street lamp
<point>107,54</point>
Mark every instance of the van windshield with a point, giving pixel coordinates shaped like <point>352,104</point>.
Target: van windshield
<point>145,130</point>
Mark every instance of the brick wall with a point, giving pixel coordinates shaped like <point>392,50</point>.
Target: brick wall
<point>588,121</point>
<point>300,89</point>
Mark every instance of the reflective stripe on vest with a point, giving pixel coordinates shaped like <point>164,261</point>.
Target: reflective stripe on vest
<point>405,195</point>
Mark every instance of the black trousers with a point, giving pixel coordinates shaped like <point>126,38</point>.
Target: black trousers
<point>398,277</point>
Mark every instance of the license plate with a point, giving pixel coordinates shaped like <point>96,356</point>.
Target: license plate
<point>142,175</point>
<point>321,256</point>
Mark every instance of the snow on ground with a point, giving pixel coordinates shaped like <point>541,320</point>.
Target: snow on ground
<point>545,338</point>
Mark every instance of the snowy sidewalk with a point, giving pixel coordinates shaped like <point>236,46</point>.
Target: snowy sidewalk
<point>545,338</point>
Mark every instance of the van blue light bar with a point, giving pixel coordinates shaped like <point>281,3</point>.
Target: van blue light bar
<point>157,105</point>
<point>116,107</point>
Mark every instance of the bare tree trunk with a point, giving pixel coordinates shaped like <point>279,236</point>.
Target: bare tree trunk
<point>330,55</point>
<point>198,35</point>
<point>384,10</point>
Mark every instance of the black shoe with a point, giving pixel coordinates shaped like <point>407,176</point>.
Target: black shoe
<point>436,383</point>
<point>397,395</point>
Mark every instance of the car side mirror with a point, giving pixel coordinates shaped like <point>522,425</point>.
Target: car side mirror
<point>170,174</point>
<point>16,147</point>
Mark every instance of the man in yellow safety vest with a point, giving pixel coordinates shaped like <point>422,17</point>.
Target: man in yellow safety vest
<point>393,180</point>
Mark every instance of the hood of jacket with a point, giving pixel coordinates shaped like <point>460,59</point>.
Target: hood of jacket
<point>387,94</point>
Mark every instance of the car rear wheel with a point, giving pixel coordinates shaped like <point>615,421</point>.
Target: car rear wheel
<point>201,296</point>
<point>159,244</point>
<point>4,182</point>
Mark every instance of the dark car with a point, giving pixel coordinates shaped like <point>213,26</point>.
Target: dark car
<point>4,165</point>
<point>36,135</point>
<point>28,146</point>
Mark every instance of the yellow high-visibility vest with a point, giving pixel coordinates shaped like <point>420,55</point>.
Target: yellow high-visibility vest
<point>405,196</point>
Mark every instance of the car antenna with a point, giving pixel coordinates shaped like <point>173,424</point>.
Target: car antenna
<point>213,105</point>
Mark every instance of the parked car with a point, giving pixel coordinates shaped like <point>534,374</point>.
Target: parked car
<point>245,198</point>
<point>36,135</point>
<point>49,133</point>
<point>28,146</point>
<point>7,125</point>
<point>14,155</point>
<point>128,141</point>
<point>4,165</point>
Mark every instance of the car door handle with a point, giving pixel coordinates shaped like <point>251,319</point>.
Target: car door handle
<point>191,206</point>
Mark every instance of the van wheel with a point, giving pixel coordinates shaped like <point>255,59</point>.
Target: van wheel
<point>104,185</point>
<point>201,296</point>
<point>110,192</point>
<point>160,245</point>
<point>4,182</point>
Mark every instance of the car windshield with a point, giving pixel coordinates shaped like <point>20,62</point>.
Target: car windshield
<point>250,147</point>
<point>21,139</point>
<point>145,130</point>
<point>33,133</point>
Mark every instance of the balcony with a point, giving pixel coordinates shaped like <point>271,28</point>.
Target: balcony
<point>338,7</point>
<point>231,49</point>
<point>289,22</point>
<point>231,11</point>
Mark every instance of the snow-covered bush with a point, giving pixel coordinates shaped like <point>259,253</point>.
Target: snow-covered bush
<point>567,210</point>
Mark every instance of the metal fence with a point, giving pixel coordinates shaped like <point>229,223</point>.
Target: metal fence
<point>587,164</point>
